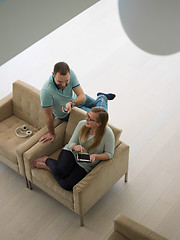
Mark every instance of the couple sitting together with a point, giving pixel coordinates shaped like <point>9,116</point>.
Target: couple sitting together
<point>91,135</point>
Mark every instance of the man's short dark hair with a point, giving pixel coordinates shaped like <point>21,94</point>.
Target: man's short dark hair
<point>62,68</point>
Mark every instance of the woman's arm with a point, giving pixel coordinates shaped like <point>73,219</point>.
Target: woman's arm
<point>108,145</point>
<point>101,156</point>
<point>74,141</point>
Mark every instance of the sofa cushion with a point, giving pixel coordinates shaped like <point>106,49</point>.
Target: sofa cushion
<point>76,115</point>
<point>55,154</point>
<point>117,133</point>
<point>47,179</point>
<point>26,104</point>
<point>8,139</point>
<point>134,230</point>
<point>117,236</point>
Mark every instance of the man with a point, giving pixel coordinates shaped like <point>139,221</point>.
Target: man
<point>61,93</point>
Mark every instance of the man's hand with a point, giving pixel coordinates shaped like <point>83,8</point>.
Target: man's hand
<point>68,107</point>
<point>47,137</point>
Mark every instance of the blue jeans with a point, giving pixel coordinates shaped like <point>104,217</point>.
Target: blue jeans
<point>90,102</point>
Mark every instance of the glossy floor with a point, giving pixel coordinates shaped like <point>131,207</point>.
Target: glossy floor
<point>147,108</point>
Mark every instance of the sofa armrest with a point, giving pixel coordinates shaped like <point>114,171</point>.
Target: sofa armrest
<point>29,143</point>
<point>44,149</point>
<point>94,185</point>
<point>6,107</point>
<point>26,146</point>
<point>134,230</point>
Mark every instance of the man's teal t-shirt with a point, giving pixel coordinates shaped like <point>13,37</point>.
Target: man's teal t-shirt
<point>52,96</point>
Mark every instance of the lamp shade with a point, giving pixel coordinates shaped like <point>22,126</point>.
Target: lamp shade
<point>152,25</point>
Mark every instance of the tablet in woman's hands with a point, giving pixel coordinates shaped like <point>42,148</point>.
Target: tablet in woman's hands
<point>83,157</point>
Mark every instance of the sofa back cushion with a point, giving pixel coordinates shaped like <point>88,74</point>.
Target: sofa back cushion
<point>117,133</point>
<point>77,115</point>
<point>26,104</point>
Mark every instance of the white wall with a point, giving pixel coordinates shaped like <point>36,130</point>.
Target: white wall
<point>24,22</point>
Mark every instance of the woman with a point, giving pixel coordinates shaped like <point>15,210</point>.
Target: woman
<point>91,135</point>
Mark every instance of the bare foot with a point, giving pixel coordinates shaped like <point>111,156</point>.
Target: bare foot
<point>42,165</point>
<point>40,159</point>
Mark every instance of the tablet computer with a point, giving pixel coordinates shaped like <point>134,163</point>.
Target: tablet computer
<point>83,157</point>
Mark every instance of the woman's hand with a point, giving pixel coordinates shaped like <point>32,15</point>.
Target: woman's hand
<point>78,148</point>
<point>93,157</point>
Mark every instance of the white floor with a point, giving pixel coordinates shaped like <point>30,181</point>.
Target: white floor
<point>147,108</point>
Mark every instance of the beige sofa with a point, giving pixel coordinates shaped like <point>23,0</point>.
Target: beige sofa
<point>21,107</point>
<point>127,229</point>
<point>94,185</point>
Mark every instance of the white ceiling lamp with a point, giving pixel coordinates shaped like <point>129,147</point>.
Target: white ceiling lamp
<point>153,25</point>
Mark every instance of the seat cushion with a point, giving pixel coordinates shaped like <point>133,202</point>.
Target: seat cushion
<point>56,154</point>
<point>9,142</point>
<point>49,184</point>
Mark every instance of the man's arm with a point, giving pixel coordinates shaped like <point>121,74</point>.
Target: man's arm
<point>50,136</point>
<point>80,98</point>
<point>49,119</point>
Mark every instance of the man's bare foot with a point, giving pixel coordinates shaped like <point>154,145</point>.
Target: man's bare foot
<point>40,159</point>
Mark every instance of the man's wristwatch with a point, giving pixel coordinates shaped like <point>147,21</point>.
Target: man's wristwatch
<point>73,104</point>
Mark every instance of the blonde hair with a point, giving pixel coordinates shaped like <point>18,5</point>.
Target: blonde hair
<point>102,117</point>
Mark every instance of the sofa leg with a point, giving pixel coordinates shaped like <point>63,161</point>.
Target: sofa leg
<point>126,177</point>
<point>81,221</point>
<point>29,184</point>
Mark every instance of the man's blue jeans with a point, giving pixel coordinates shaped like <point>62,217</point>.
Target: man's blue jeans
<point>90,102</point>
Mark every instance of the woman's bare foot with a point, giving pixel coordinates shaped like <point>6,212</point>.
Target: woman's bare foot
<point>42,165</point>
<point>40,159</point>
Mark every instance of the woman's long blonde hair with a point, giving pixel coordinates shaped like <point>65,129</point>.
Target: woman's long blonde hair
<point>102,117</point>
